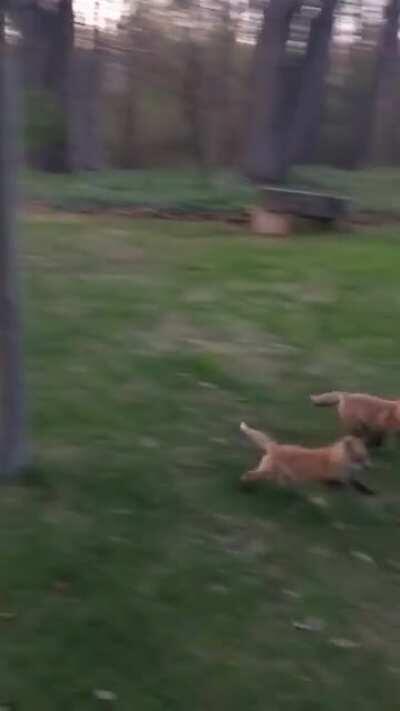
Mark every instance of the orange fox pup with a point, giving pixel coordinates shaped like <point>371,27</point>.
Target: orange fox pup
<point>366,416</point>
<point>286,463</point>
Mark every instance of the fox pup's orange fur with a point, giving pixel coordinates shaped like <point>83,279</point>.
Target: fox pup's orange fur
<point>366,416</point>
<point>285,463</point>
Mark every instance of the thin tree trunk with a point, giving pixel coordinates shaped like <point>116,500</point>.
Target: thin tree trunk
<point>224,86</point>
<point>192,98</point>
<point>305,128</point>
<point>95,108</point>
<point>95,128</point>
<point>130,154</point>
<point>265,157</point>
<point>13,446</point>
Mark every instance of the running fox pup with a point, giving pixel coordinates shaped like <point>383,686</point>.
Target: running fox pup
<point>285,463</point>
<point>366,416</point>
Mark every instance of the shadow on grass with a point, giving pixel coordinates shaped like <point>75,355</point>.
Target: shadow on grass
<point>39,479</point>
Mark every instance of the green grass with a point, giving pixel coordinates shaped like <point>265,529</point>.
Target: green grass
<point>181,191</point>
<point>186,192</point>
<point>130,561</point>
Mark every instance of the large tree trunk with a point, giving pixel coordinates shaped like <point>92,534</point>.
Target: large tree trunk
<point>377,114</point>
<point>86,85</point>
<point>13,446</point>
<point>85,124</point>
<point>383,123</point>
<point>58,75</point>
<point>305,129</point>
<point>47,50</point>
<point>265,157</point>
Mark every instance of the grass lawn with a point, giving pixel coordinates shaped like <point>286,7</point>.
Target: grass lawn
<point>131,562</point>
<point>192,192</point>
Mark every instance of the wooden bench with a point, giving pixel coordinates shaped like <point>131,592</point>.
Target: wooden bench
<point>284,210</point>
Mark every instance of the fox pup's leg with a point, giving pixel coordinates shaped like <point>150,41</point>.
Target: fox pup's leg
<point>357,429</point>
<point>371,437</point>
<point>375,439</point>
<point>354,483</point>
<point>263,471</point>
<point>361,487</point>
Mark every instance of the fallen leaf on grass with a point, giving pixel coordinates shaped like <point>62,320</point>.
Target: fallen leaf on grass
<point>149,442</point>
<point>291,593</point>
<point>340,526</point>
<point>310,624</point>
<point>104,695</point>
<point>60,586</point>
<point>118,540</point>
<point>319,501</point>
<point>121,512</point>
<point>7,616</point>
<point>219,589</point>
<point>362,556</point>
<point>344,643</point>
<point>205,384</point>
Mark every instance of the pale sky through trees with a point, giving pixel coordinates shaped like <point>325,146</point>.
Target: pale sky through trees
<point>109,11</point>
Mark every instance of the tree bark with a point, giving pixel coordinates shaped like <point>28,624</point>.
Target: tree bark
<point>192,98</point>
<point>58,78</point>
<point>305,129</point>
<point>265,158</point>
<point>383,122</point>
<point>47,50</point>
<point>13,445</point>
<point>85,121</point>
<point>85,115</point>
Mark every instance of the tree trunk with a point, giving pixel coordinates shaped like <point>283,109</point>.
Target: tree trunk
<point>95,114</point>
<point>85,122</point>
<point>265,157</point>
<point>304,133</point>
<point>383,121</point>
<point>13,446</point>
<point>192,98</point>
<point>221,82</point>
<point>47,48</point>
<point>58,77</point>
<point>85,116</point>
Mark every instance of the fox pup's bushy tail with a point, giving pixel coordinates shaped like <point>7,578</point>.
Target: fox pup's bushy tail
<point>327,399</point>
<point>260,439</point>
